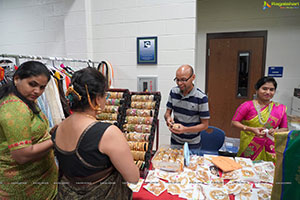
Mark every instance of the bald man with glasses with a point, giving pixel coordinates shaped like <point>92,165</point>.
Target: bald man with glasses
<point>189,106</point>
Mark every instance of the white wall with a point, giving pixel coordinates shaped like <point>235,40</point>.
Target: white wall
<point>32,27</point>
<point>283,42</point>
<point>116,25</point>
<point>46,28</point>
<point>105,30</point>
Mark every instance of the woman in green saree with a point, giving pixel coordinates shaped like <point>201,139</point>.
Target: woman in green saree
<point>258,120</point>
<point>28,169</point>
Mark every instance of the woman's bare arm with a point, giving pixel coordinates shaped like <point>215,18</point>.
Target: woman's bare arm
<point>114,144</point>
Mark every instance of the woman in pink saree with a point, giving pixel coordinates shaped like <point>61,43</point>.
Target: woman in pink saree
<point>258,121</point>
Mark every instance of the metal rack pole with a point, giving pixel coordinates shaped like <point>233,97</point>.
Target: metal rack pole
<point>18,57</point>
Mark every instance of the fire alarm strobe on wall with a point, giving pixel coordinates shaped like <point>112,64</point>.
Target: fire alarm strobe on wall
<point>146,83</point>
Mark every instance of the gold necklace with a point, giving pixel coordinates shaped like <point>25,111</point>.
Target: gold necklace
<point>89,116</point>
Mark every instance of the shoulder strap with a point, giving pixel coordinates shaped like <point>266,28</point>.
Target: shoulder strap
<point>53,133</point>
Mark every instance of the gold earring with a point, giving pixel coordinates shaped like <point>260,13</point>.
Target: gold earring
<point>98,111</point>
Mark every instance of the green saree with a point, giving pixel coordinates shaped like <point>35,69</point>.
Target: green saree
<point>20,128</point>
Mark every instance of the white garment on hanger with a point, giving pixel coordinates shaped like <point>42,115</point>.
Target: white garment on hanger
<point>53,99</point>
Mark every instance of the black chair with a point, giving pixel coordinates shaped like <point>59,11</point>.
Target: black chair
<point>212,140</point>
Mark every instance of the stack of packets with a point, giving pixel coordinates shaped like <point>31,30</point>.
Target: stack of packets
<point>204,180</point>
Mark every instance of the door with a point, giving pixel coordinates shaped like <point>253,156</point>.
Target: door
<point>235,62</point>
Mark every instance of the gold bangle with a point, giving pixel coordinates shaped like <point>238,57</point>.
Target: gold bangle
<point>245,128</point>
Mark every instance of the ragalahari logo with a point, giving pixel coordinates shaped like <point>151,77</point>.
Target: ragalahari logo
<point>266,5</point>
<point>281,5</point>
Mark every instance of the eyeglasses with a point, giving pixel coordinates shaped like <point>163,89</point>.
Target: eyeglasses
<point>183,80</point>
<point>107,95</point>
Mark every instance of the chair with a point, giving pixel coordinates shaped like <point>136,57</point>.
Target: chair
<point>212,140</point>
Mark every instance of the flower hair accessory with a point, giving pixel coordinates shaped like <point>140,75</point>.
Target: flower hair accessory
<point>71,90</point>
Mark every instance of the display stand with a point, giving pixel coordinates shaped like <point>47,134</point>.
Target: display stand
<point>140,125</point>
<point>115,107</point>
<point>136,114</point>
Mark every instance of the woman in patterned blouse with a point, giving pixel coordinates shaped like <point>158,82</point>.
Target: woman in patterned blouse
<point>28,169</point>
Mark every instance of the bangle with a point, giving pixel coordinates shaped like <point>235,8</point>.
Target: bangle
<point>245,128</point>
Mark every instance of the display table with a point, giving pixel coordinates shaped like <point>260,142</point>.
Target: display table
<point>259,188</point>
<point>143,194</point>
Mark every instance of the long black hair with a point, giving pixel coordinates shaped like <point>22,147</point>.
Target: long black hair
<point>25,70</point>
<point>265,79</point>
<point>95,82</point>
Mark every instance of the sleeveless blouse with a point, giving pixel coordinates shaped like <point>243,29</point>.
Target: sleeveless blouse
<point>85,159</point>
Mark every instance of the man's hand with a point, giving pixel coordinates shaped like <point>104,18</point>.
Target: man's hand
<point>177,128</point>
<point>169,121</point>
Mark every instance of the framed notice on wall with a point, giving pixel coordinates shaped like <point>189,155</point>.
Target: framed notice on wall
<point>147,50</point>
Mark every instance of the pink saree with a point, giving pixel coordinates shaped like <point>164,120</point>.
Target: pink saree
<point>254,147</point>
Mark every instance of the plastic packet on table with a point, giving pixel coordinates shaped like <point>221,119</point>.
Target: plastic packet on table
<point>216,182</point>
<point>187,193</point>
<point>244,162</point>
<point>262,193</point>
<point>265,170</point>
<point>250,196</point>
<point>265,186</point>
<point>152,177</point>
<point>173,189</point>
<point>233,187</point>
<point>168,159</point>
<point>233,175</point>
<point>249,174</point>
<point>156,188</point>
<point>215,193</point>
<point>198,193</point>
<point>136,187</point>
<point>265,177</point>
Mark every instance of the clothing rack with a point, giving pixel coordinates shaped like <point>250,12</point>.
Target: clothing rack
<point>53,59</point>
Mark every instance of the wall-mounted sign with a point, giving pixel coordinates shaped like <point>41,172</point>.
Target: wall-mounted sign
<point>275,71</point>
<point>147,50</point>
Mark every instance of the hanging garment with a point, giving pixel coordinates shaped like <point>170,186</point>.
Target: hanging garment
<point>107,70</point>
<point>62,97</point>
<point>43,105</point>
<point>52,96</point>
<point>287,171</point>
<point>1,74</point>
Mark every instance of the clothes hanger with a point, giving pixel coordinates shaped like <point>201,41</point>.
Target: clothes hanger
<point>55,68</point>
